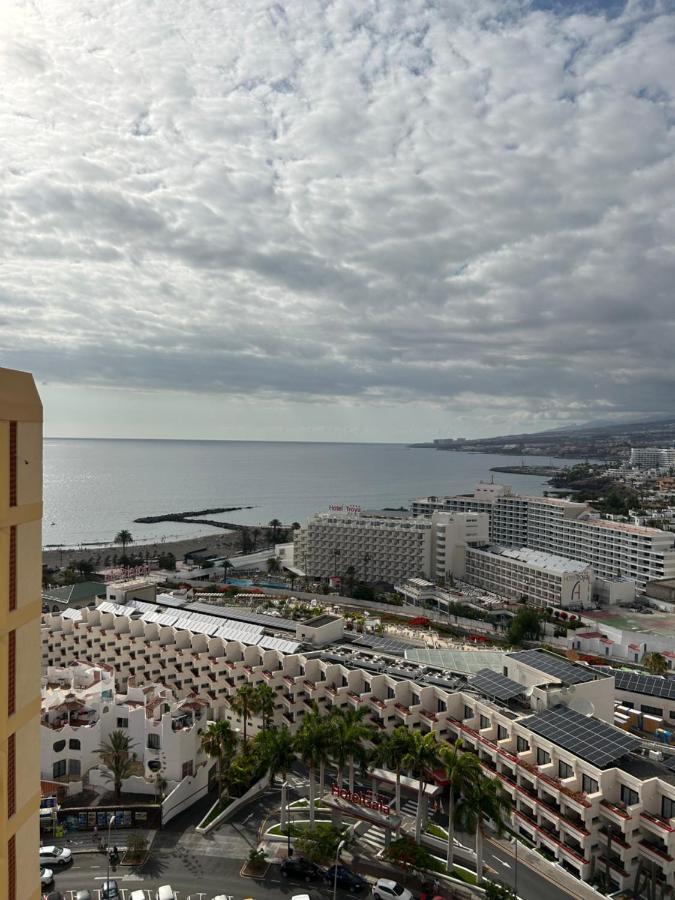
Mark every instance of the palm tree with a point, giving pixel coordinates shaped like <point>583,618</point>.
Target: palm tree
<point>349,732</point>
<point>265,703</point>
<point>277,747</point>
<point>275,525</point>
<point>462,770</point>
<point>244,704</point>
<point>219,742</point>
<point>391,753</point>
<point>124,537</point>
<point>486,799</point>
<point>273,565</point>
<point>226,565</point>
<point>116,755</point>
<point>422,756</point>
<point>311,743</point>
<point>655,663</point>
<point>255,534</point>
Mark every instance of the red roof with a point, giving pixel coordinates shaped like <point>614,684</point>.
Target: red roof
<point>589,634</point>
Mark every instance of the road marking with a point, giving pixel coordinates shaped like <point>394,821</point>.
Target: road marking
<point>501,862</point>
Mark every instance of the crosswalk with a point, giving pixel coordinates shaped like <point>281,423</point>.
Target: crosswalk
<point>371,842</point>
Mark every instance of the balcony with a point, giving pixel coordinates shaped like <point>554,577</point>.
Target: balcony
<point>428,716</point>
<point>403,711</point>
<point>658,823</point>
<point>655,852</point>
<point>616,812</point>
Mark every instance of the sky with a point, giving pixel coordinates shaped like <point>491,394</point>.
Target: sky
<point>377,220</point>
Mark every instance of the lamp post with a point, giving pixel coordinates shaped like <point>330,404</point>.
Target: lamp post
<point>110,822</point>
<point>335,871</point>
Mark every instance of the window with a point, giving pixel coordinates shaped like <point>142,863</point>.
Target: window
<point>629,797</point>
<point>522,745</point>
<point>502,733</point>
<point>74,767</point>
<point>543,758</point>
<point>468,712</point>
<point>187,769</point>
<point>667,808</point>
<point>74,744</point>
<point>153,742</point>
<point>565,770</point>
<point>59,769</point>
<point>11,775</point>
<point>651,710</point>
<point>59,746</point>
<point>11,673</point>
<point>588,785</point>
<point>441,706</point>
<point>484,722</point>
<point>12,567</point>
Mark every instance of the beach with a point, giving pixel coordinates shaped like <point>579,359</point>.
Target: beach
<point>225,543</point>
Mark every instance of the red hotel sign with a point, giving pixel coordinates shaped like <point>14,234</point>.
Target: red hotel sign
<point>358,799</point>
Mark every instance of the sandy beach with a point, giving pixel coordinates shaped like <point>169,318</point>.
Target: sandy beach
<point>219,542</point>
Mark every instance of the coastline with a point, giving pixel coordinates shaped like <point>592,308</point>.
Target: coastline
<point>226,543</point>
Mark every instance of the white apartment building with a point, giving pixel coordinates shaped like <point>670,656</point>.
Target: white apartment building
<point>543,578</point>
<point>564,528</point>
<point>580,787</point>
<point>652,457</point>
<point>81,709</point>
<point>386,548</point>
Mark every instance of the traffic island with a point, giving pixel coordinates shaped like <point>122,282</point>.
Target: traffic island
<point>256,865</point>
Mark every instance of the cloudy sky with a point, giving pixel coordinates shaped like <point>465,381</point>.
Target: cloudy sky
<point>338,219</point>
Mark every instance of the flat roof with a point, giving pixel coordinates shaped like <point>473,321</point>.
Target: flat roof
<point>320,620</point>
<point>461,661</point>
<point>537,558</point>
<point>556,666</point>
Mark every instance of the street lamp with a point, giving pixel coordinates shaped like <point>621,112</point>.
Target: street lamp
<point>112,819</point>
<point>335,871</point>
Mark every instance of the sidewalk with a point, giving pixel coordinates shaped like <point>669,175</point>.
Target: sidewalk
<point>85,842</point>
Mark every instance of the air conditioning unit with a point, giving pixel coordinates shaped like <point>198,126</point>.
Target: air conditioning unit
<point>656,754</point>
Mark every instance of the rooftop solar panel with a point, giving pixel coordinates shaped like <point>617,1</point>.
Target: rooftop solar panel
<point>243,615</point>
<point>493,684</point>
<point>462,661</point>
<point>385,644</point>
<point>651,685</point>
<point>559,668</point>
<point>74,614</point>
<point>588,738</point>
<point>273,643</point>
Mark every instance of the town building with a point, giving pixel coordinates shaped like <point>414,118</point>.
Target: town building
<point>572,530</point>
<point>72,596</point>
<point>652,457</point>
<point>81,708</point>
<point>593,795</point>
<point>543,579</point>
<point>385,547</point>
<point>20,607</point>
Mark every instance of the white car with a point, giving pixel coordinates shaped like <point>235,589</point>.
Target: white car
<point>138,895</point>
<point>55,856</point>
<point>385,889</point>
<point>46,877</point>
<point>165,892</point>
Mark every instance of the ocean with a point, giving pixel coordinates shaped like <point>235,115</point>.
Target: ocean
<point>94,488</point>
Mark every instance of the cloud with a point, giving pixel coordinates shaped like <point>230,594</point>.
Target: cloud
<point>468,204</point>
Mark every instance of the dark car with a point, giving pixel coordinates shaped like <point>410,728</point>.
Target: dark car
<point>346,879</point>
<point>110,890</point>
<point>301,869</point>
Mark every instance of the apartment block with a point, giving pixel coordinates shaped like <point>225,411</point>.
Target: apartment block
<point>652,457</point>
<point>384,547</point>
<point>583,789</point>
<point>572,530</point>
<point>543,578</point>
<point>20,607</point>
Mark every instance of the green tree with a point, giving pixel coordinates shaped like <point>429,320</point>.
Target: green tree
<point>245,704</point>
<point>319,843</point>
<point>525,626</point>
<point>84,567</point>
<point>273,565</point>
<point>311,745</point>
<point>275,525</point>
<point>462,770</point>
<point>226,565</point>
<point>411,857</point>
<point>219,742</point>
<point>348,735</point>
<point>655,663</point>
<point>167,561</point>
<point>265,702</point>
<point>277,751</point>
<point>392,751</point>
<point>420,759</point>
<point>116,756</point>
<point>485,800</point>
<point>124,537</point>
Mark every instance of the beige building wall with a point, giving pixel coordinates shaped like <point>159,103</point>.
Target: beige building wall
<point>20,608</point>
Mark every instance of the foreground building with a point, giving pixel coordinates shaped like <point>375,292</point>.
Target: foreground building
<point>592,794</point>
<point>20,606</point>
<point>572,530</point>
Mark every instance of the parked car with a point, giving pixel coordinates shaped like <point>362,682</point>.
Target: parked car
<point>55,856</point>
<point>46,877</point>
<point>138,895</point>
<point>346,879</point>
<point>386,889</point>
<point>301,869</point>
<point>110,890</point>
<point>85,895</point>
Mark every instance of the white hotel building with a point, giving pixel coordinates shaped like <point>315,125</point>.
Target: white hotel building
<point>652,457</point>
<point>386,547</point>
<point>564,528</point>
<point>583,789</point>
